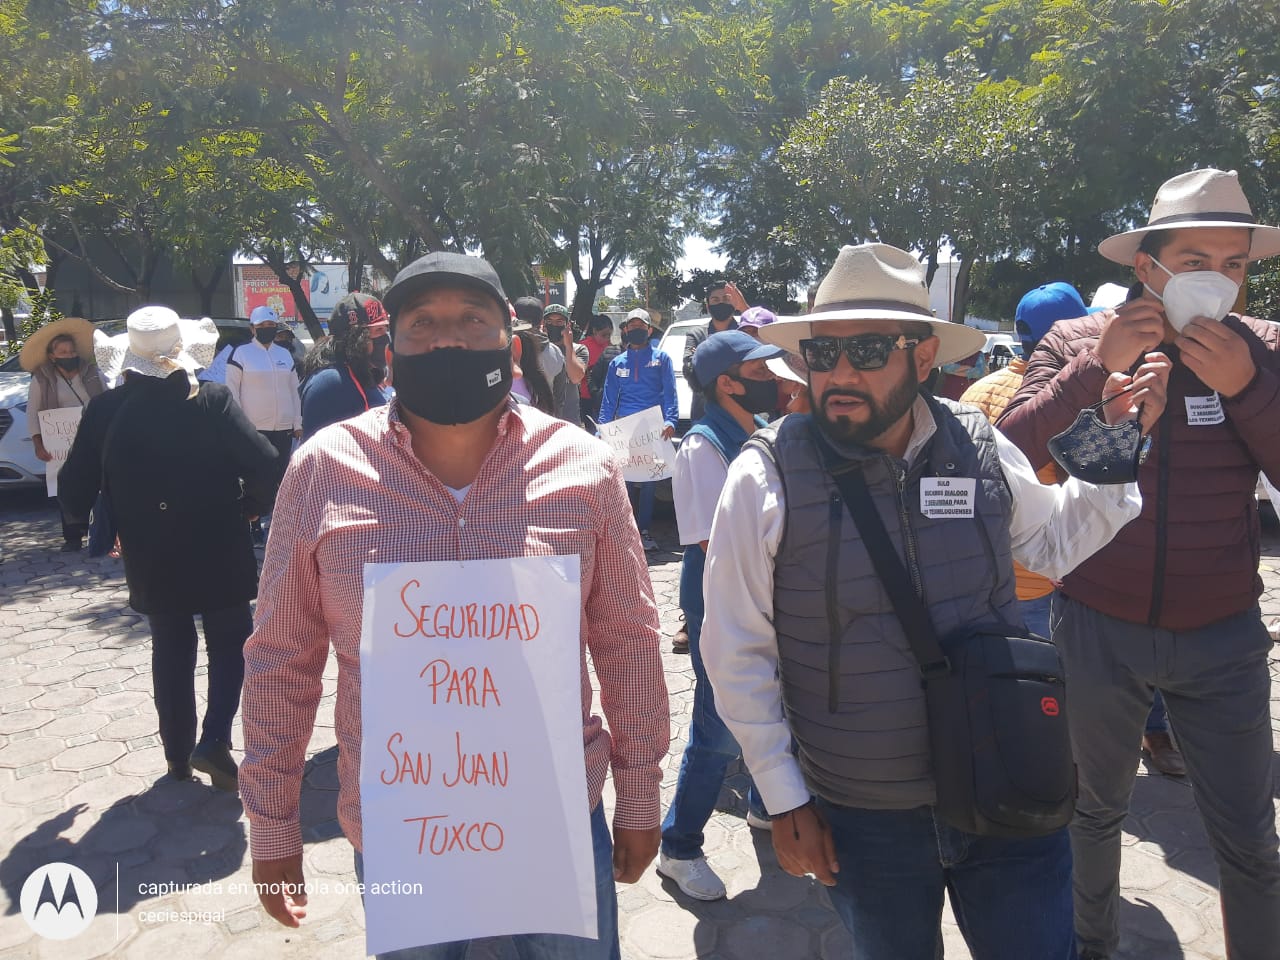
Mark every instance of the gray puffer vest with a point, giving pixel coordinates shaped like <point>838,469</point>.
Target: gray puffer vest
<point>850,685</point>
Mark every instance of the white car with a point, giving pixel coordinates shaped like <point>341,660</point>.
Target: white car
<point>1000,350</point>
<point>19,465</point>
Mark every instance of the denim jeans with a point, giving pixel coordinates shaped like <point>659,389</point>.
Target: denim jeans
<point>711,746</point>
<point>1035,614</point>
<point>645,493</point>
<point>173,666</point>
<point>1011,898</point>
<point>543,946</point>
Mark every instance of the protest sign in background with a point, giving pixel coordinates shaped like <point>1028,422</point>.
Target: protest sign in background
<point>637,444</point>
<point>472,779</point>
<point>57,430</point>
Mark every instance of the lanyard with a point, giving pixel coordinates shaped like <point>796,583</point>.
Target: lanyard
<point>363,396</point>
<point>72,387</point>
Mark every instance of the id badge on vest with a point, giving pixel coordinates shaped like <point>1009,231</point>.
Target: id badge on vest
<point>945,498</point>
<point>1204,411</point>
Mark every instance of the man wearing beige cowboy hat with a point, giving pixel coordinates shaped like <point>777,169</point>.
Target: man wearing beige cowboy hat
<point>182,467</point>
<point>59,357</point>
<point>813,671</point>
<point>1172,602</point>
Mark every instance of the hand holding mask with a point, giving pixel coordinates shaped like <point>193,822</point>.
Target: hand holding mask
<point>1111,451</point>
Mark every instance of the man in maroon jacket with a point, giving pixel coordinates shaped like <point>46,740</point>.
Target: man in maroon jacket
<point>1172,602</point>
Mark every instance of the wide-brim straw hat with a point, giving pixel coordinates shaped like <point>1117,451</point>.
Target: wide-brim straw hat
<point>1201,198</point>
<point>156,343</point>
<point>35,352</point>
<point>874,281</point>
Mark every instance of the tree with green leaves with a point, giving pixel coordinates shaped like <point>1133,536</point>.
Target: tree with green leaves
<point>957,160</point>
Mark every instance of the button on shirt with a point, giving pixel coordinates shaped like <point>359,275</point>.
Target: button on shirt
<point>356,493</point>
<point>1052,529</point>
<point>262,380</point>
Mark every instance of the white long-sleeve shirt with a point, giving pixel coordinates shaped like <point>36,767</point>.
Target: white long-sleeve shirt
<point>262,380</point>
<point>1053,529</point>
<point>696,481</point>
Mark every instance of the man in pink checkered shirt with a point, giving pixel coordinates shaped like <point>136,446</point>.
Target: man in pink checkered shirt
<point>453,469</point>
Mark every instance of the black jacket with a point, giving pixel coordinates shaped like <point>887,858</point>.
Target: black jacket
<point>172,469</point>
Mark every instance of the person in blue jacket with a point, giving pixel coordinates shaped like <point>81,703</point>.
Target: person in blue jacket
<point>343,374</point>
<point>641,377</point>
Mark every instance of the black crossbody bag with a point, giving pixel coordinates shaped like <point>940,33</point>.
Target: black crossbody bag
<point>995,700</point>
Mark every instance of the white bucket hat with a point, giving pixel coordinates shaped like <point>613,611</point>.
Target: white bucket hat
<point>875,281</point>
<point>1201,198</point>
<point>156,343</point>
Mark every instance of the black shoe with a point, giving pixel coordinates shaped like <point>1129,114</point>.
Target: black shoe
<point>179,771</point>
<point>680,642</point>
<point>1092,955</point>
<point>215,760</point>
<point>71,546</point>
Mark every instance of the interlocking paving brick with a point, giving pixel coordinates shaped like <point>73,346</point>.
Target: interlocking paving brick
<point>43,786</point>
<point>28,719</point>
<point>62,698</point>
<point>26,752</point>
<point>74,725</point>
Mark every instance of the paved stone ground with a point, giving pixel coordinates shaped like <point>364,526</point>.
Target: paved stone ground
<point>80,764</point>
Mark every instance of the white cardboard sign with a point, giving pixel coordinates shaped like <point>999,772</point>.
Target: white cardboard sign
<point>637,444</point>
<point>472,782</point>
<point>57,430</point>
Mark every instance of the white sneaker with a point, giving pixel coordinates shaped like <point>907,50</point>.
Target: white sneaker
<point>694,877</point>
<point>758,823</point>
<point>649,543</point>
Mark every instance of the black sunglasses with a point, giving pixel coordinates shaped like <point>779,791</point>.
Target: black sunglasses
<point>865,351</point>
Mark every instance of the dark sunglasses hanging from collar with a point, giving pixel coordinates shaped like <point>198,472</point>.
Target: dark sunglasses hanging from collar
<point>864,351</point>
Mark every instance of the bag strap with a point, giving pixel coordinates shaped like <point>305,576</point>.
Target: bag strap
<point>911,611</point>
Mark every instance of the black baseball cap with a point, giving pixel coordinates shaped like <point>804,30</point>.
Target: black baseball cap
<point>443,267</point>
<point>356,309</point>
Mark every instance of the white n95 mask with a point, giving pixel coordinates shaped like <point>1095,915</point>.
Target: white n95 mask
<point>1196,293</point>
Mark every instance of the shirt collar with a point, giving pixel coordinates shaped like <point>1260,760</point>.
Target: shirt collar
<point>510,424</point>
<point>922,431</point>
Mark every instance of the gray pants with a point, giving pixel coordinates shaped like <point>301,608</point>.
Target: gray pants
<point>1217,688</point>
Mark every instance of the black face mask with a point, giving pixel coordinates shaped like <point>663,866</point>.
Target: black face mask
<point>378,357</point>
<point>720,312</point>
<point>265,334</point>
<point>761,395</point>
<point>1098,452</point>
<point>67,363</point>
<point>636,338</point>
<point>452,385</point>
<point>554,333</point>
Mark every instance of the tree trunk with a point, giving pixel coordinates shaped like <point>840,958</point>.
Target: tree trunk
<point>10,329</point>
<point>960,296</point>
<point>355,273</point>
<point>285,275</point>
<point>931,267</point>
<point>207,290</point>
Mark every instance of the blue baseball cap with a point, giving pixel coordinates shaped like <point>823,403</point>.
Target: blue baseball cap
<point>720,351</point>
<point>1041,308</point>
